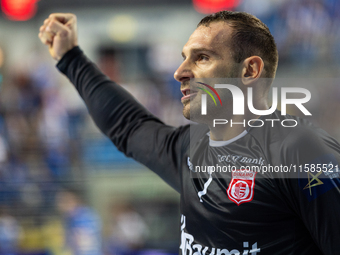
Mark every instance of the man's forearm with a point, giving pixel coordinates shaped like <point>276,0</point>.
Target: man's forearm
<point>113,109</point>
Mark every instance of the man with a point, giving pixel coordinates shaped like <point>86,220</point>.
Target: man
<point>223,212</point>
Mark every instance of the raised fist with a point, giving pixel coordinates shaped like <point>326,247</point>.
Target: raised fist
<point>59,32</point>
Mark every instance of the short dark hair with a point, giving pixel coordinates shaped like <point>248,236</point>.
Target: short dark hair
<point>250,37</point>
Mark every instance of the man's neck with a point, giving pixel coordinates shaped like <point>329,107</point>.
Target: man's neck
<point>227,131</point>
<point>234,126</point>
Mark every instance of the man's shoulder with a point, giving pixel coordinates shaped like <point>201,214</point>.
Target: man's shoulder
<point>303,134</point>
<point>286,129</point>
<point>292,137</point>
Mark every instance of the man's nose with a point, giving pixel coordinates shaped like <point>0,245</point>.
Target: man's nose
<point>183,72</point>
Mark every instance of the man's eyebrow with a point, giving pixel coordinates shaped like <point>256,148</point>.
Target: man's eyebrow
<point>204,49</point>
<point>195,50</point>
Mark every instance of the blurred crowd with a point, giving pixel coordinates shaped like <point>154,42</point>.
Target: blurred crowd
<point>46,135</point>
<point>306,31</point>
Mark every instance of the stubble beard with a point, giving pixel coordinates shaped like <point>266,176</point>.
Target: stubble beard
<point>186,111</point>
<point>192,107</point>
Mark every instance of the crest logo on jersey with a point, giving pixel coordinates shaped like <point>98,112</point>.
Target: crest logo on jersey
<point>241,187</point>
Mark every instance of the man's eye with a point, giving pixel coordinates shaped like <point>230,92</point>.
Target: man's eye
<point>203,57</point>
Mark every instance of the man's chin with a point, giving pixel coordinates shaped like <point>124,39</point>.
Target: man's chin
<point>186,112</point>
<point>192,114</point>
<point>187,116</point>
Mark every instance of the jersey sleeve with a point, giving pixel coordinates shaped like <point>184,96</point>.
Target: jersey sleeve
<point>313,190</point>
<point>135,132</point>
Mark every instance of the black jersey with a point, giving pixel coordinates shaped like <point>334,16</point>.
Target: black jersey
<point>287,203</point>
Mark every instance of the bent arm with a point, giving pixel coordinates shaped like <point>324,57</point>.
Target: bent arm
<point>134,130</point>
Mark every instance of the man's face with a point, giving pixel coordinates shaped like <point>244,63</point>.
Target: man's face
<point>207,54</point>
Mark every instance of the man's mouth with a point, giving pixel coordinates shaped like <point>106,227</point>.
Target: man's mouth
<point>188,94</point>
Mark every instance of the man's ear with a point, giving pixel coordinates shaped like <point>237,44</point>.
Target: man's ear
<point>252,69</point>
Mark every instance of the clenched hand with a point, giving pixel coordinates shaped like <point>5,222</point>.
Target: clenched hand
<point>59,33</point>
